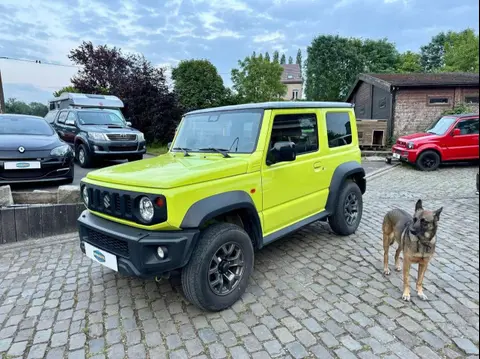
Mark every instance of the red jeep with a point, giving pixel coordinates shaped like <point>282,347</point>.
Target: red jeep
<point>450,138</point>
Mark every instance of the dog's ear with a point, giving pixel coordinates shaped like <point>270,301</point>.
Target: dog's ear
<point>437,213</point>
<point>418,205</point>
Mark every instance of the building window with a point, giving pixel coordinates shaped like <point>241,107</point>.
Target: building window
<point>438,101</point>
<point>295,93</point>
<point>339,130</point>
<point>289,77</point>
<point>299,129</point>
<point>471,99</point>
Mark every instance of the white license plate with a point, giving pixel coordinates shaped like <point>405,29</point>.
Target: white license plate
<point>396,156</point>
<point>26,165</point>
<point>102,257</point>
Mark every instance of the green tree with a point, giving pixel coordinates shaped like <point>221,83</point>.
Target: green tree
<point>458,109</point>
<point>299,58</point>
<point>14,106</point>
<point>378,55</point>
<point>38,109</point>
<point>267,56</point>
<point>198,84</point>
<point>283,60</point>
<point>432,54</point>
<point>276,57</point>
<point>65,89</point>
<point>257,80</point>
<point>461,52</point>
<point>290,60</point>
<point>409,62</point>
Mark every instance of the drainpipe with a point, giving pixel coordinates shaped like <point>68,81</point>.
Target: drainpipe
<point>391,120</point>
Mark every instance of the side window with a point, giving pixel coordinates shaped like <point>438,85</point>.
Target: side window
<point>70,119</point>
<point>468,127</point>
<point>339,130</point>
<point>300,129</point>
<point>62,117</point>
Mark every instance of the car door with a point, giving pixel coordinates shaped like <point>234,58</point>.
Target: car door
<point>70,127</point>
<point>59,124</point>
<point>465,145</point>
<point>293,191</point>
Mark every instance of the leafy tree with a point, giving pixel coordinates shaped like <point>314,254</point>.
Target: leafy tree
<point>65,89</point>
<point>432,54</point>
<point>14,106</point>
<point>299,58</point>
<point>283,60</point>
<point>276,57</point>
<point>458,109</point>
<point>378,55</point>
<point>260,57</point>
<point>461,52</point>
<point>290,60</point>
<point>267,56</point>
<point>148,103</point>
<point>258,80</point>
<point>198,84</point>
<point>409,62</point>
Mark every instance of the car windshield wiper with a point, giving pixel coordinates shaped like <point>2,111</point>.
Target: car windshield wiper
<point>184,150</point>
<point>222,151</point>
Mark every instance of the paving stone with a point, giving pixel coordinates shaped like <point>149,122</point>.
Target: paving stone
<point>37,351</point>
<point>239,353</point>
<point>297,350</point>
<point>466,345</point>
<point>217,351</point>
<point>284,335</point>
<point>328,339</point>
<point>426,353</point>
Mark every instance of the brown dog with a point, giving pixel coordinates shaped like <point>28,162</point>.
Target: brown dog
<point>416,237</point>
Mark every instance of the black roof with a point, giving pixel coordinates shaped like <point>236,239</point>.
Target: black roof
<point>276,105</point>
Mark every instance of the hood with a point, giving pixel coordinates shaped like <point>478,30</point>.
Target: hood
<point>38,143</point>
<point>169,171</point>
<point>415,137</point>
<point>106,129</point>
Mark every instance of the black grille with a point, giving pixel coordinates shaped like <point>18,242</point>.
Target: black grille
<point>121,137</point>
<point>107,243</point>
<point>122,148</point>
<point>120,205</point>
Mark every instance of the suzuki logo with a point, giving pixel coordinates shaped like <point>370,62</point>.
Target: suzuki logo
<point>106,201</point>
<point>21,149</point>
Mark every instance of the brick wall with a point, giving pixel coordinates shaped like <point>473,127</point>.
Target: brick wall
<point>413,113</point>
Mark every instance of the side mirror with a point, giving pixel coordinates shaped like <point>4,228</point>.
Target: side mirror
<point>129,124</point>
<point>169,145</point>
<point>283,151</point>
<point>456,132</point>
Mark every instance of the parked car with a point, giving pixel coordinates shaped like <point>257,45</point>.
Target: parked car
<point>450,138</point>
<point>98,134</point>
<point>31,151</point>
<point>235,179</point>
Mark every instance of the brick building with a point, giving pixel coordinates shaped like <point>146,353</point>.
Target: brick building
<point>292,78</point>
<point>406,103</point>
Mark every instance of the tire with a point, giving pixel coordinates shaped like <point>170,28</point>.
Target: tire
<point>135,158</point>
<point>388,160</point>
<point>428,161</point>
<point>195,278</point>
<point>339,222</point>
<point>84,160</point>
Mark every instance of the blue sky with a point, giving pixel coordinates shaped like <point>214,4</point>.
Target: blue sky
<point>222,31</point>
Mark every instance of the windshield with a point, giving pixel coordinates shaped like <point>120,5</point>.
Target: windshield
<point>233,131</point>
<point>99,118</point>
<point>441,126</point>
<point>24,125</point>
<point>115,111</point>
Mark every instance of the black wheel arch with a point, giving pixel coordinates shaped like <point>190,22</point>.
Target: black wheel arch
<point>81,140</point>
<point>346,171</point>
<point>238,202</point>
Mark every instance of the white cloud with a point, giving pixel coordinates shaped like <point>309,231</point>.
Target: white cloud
<point>269,37</point>
<point>209,19</point>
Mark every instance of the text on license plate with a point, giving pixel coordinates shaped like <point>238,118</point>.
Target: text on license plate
<point>26,165</point>
<point>100,256</point>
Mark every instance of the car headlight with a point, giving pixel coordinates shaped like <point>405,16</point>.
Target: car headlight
<point>85,197</point>
<point>140,137</point>
<point>410,145</point>
<point>97,136</point>
<point>61,151</point>
<point>146,209</point>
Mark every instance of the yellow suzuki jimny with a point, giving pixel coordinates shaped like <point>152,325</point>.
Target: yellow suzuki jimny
<point>234,179</point>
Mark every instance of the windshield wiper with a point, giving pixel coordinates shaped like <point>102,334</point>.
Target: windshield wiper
<point>184,150</point>
<point>222,151</point>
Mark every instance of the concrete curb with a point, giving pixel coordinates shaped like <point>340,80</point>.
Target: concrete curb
<point>39,242</point>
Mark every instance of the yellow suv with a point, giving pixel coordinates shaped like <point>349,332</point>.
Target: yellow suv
<point>235,179</point>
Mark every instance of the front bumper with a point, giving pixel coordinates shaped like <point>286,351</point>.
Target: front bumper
<point>117,149</point>
<point>404,154</point>
<point>136,249</point>
<point>51,169</point>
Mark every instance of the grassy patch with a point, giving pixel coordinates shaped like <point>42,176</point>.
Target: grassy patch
<point>156,148</point>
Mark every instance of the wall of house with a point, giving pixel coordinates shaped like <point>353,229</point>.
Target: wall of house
<point>413,113</point>
<point>371,102</point>
<point>290,87</point>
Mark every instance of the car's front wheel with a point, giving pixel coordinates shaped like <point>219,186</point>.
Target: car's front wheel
<point>83,156</point>
<point>348,212</point>
<point>428,161</point>
<point>219,269</point>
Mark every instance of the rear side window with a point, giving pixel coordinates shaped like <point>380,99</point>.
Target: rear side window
<point>468,127</point>
<point>62,117</point>
<point>339,129</point>
<point>300,129</point>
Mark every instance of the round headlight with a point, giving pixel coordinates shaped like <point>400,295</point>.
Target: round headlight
<point>146,209</point>
<point>85,195</point>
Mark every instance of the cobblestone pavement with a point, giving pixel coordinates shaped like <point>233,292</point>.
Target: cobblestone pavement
<point>312,295</point>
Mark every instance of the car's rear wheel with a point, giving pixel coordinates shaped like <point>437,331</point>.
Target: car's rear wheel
<point>83,156</point>
<point>219,269</point>
<point>428,161</point>
<point>348,213</point>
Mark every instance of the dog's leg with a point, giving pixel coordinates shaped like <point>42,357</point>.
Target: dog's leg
<point>422,268</point>
<point>406,279</point>
<point>398,268</point>
<point>386,247</point>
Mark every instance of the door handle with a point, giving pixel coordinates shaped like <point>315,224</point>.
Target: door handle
<point>317,165</point>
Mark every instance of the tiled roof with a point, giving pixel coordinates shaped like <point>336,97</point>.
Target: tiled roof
<point>291,74</point>
<point>427,79</point>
